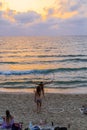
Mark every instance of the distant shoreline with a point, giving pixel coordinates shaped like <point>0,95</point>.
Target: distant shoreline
<point>47,90</point>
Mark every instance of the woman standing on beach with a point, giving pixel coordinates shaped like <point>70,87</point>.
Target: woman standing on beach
<point>38,99</point>
<point>41,87</point>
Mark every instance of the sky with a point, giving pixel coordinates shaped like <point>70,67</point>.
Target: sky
<point>43,17</point>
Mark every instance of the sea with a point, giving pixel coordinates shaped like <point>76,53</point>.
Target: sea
<point>60,61</point>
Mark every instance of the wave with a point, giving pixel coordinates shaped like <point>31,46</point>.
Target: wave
<point>62,55</point>
<point>75,60</point>
<point>13,52</point>
<point>46,71</point>
<point>71,82</point>
<point>66,60</point>
<point>9,62</point>
<point>50,61</point>
<point>16,83</point>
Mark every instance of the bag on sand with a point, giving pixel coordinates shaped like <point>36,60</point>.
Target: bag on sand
<point>60,128</point>
<point>63,128</point>
<point>36,128</point>
<point>16,126</point>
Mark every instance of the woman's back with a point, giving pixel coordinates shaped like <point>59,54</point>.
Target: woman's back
<point>8,120</point>
<point>38,92</point>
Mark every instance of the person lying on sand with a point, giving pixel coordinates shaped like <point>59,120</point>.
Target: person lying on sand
<point>84,109</point>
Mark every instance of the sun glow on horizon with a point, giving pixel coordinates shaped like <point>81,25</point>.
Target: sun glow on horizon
<point>38,6</point>
<point>50,8</point>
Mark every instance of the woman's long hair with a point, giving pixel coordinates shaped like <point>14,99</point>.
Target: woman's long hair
<point>8,116</point>
<point>38,90</point>
<point>41,85</point>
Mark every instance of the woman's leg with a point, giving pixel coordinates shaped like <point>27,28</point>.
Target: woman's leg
<point>39,106</point>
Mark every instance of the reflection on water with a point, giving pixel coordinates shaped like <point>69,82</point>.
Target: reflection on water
<point>23,59</point>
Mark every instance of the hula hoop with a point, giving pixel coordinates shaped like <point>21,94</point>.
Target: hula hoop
<point>44,78</point>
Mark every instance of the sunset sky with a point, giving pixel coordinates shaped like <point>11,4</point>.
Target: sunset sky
<point>43,17</point>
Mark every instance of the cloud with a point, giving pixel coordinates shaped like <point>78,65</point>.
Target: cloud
<point>0,5</point>
<point>69,17</point>
<point>27,17</point>
<point>9,15</point>
<point>6,12</point>
<point>66,9</point>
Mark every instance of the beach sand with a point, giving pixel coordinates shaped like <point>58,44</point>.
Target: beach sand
<point>62,109</point>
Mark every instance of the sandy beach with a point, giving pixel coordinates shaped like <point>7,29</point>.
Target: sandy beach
<point>62,109</point>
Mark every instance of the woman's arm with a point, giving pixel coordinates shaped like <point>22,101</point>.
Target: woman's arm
<point>48,82</point>
<point>34,82</point>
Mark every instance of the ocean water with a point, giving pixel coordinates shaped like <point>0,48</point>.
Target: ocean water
<point>24,60</point>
